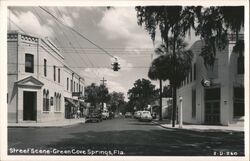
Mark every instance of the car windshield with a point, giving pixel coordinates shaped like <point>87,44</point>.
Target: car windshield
<point>146,112</point>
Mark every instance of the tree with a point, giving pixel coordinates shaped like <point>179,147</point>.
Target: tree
<point>172,67</point>
<point>96,94</point>
<point>213,26</point>
<point>116,99</point>
<point>142,94</point>
<point>171,20</point>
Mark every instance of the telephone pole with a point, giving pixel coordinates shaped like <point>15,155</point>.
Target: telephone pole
<point>103,83</point>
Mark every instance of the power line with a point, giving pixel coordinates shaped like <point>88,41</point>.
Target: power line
<point>78,33</point>
<point>97,67</point>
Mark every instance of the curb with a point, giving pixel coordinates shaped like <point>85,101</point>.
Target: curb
<point>45,126</point>
<point>196,129</point>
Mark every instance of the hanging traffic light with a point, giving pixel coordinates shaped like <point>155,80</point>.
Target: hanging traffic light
<point>115,65</point>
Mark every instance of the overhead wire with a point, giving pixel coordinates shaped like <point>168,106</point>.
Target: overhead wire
<point>91,63</point>
<point>78,33</point>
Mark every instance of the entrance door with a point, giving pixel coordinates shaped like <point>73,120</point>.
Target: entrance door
<point>29,106</point>
<point>212,106</point>
<point>212,113</point>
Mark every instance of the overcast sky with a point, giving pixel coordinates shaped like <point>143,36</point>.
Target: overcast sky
<point>116,30</point>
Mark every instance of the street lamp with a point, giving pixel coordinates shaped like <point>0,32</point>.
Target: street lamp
<point>180,112</point>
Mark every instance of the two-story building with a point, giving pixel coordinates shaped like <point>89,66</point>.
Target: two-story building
<point>221,102</point>
<point>38,80</point>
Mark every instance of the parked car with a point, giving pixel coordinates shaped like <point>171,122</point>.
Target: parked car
<point>111,115</point>
<point>94,117</point>
<point>138,114</point>
<point>145,116</point>
<point>128,114</point>
<point>105,114</point>
<point>154,115</point>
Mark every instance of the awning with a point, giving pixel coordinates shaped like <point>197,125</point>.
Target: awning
<point>70,101</point>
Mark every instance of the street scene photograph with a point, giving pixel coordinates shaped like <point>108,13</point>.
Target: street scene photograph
<point>160,80</point>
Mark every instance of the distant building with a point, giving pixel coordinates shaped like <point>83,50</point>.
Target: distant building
<point>222,102</point>
<point>40,84</point>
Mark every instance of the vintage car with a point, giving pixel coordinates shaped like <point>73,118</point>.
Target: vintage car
<point>145,116</point>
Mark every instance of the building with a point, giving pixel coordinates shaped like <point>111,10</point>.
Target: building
<point>40,84</point>
<point>221,103</point>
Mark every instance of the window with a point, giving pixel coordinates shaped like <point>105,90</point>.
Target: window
<point>240,65</point>
<point>29,63</point>
<point>212,71</point>
<point>45,100</point>
<point>188,78</point>
<point>212,94</point>
<point>71,85</point>
<point>54,73</point>
<point>239,102</point>
<point>74,86</point>
<point>193,103</point>
<point>67,83</point>
<point>191,74</point>
<point>194,71</point>
<point>58,75</point>
<point>55,102</point>
<point>45,67</point>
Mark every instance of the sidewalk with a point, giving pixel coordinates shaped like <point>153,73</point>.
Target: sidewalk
<point>167,124</point>
<point>59,123</point>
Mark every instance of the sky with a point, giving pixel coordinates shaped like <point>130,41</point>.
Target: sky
<point>115,30</point>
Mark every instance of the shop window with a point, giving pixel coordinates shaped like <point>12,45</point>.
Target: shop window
<point>239,102</point>
<point>29,63</point>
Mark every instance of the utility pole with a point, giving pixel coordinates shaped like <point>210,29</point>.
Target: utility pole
<point>103,83</point>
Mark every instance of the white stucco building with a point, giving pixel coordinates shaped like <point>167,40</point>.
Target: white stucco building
<point>221,103</point>
<point>40,84</point>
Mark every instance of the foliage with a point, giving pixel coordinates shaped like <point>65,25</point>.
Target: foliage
<point>142,94</point>
<point>96,94</point>
<point>116,100</point>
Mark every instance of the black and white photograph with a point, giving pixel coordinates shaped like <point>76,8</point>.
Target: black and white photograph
<point>134,80</point>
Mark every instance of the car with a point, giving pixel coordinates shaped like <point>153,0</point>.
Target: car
<point>105,114</point>
<point>154,115</point>
<point>138,114</point>
<point>145,116</point>
<point>128,114</point>
<point>94,117</point>
<point>111,115</point>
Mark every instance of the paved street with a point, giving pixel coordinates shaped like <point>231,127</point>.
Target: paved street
<point>127,137</point>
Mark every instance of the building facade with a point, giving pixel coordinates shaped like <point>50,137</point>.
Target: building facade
<point>221,102</point>
<point>38,80</point>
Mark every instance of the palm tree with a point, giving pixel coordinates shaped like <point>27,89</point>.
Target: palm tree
<point>173,64</point>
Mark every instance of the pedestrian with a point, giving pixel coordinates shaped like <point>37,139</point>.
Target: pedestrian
<point>78,113</point>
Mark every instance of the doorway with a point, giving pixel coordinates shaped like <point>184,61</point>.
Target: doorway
<point>212,106</point>
<point>29,106</point>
